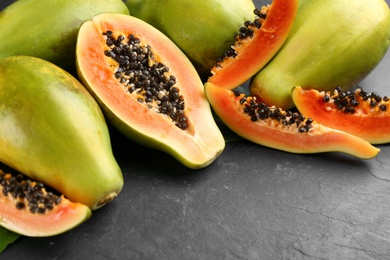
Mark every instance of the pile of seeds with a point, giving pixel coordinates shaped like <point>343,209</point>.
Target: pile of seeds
<point>258,110</point>
<point>27,193</point>
<point>245,32</point>
<point>150,80</point>
<point>347,101</point>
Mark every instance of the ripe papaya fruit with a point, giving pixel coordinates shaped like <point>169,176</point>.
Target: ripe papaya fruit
<point>53,131</point>
<point>48,29</point>
<point>148,88</point>
<point>332,44</point>
<point>203,29</point>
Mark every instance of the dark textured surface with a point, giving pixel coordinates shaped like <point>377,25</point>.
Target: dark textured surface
<point>252,203</point>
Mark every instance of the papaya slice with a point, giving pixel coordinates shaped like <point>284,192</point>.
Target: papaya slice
<point>358,112</point>
<point>255,44</point>
<point>148,88</point>
<point>279,129</point>
<point>27,208</point>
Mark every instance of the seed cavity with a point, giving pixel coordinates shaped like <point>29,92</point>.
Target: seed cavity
<point>349,101</point>
<point>245,32</point>
<point>141,75</point>
<point>27,194</point>
<point>257,110</point>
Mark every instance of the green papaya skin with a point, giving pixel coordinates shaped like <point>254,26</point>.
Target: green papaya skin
<point>53,131</point>
<point>331,44</point>
<point>48,29</point>
<point>203,29</point>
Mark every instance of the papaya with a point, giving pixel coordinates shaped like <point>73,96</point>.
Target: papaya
<point>53,131</point>
<point>48,29</point>
<point>255,44</point>
<point>279,129</point>
<point>29,209</point>
<point>358,112</point>
<point>203,29</point>
<point>148,88</point>
<point>331,44</point>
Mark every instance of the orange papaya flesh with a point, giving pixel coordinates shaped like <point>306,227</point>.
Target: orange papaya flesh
<point>29,209</point>
<point>358,112</point>
<point>179,121</point>
<point>279,129</point>
<point>255,44</point>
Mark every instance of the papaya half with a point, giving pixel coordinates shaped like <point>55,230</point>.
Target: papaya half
<point>148,88</point>
<point>276,128</point>
<point>331,44</point>
<point>48,29</point>
<point>203,29</point>
<point>358,112</point>
<point>27,208</point>
<point>54,132</point>
<point>255,44</point>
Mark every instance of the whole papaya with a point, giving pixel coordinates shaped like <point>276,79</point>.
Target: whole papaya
<point>53,131</point>
<point>48,29</point>
<point>203,29</point>
<point>331,44</point>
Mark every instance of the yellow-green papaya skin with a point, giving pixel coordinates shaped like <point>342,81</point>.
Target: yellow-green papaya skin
<point>331,44</point>
<point>52,130</point>
<point>203,29</point>
<point>48,29</point>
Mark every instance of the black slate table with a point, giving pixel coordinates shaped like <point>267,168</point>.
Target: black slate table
<point>251,203</point>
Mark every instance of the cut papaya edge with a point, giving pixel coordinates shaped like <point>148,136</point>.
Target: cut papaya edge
<point>254,51</point>
<point>273,134</point>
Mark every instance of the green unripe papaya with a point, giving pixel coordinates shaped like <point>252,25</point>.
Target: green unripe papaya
<point>48,29</point>
<point>331,44</point>
<point>52,130</point>
<point>203,29</point>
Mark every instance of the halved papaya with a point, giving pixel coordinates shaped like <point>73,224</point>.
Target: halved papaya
<point>279,129</point>
<point>27,208</point>
<point>255,44</point>
<point>148,88</point>
<point>358,112</point>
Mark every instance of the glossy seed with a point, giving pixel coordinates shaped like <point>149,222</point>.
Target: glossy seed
<point>326,98</point>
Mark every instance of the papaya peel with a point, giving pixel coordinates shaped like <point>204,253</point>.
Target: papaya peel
<point>331,44</point>
<point>48,29</point>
